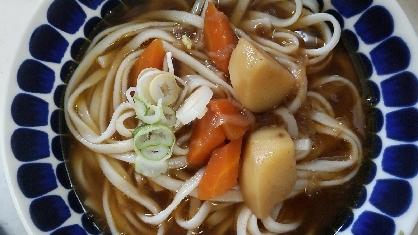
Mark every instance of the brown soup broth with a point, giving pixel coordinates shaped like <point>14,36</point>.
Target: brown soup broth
<point>322,211</point>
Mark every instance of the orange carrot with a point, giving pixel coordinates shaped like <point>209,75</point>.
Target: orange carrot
<point>152,57</point>
<point>219,37</point>
<point>234,122</point>
<point>223,121</point>
<point>221,173</point>
<point>206,136</point>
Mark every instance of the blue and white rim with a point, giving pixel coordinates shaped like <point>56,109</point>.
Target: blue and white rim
<point>381,36</point>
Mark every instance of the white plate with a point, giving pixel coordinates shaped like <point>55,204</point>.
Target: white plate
<point>19,14</point>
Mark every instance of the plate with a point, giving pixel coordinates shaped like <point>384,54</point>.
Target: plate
<point>37,173</point>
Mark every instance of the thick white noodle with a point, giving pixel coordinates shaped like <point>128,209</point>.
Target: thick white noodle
<point>120,127</point>
<point>324,107</point>
<point>198,7</point>
<point>276,227</point>
<point>306,170</point>
<point>85,117</point>
<point>303,184</point>
<point>174,185</point>
<point>142,37</point>
<point>128,157</point>
<point>178,151</point>
<point>195,81</point>
<point>161,229</point>
<point>75,123</point>
<point>289,119</point>
<point>330,42</point>
<point>251,25</point>
<point>124,186</point>
<point>140,227</point>
<point>270,223</point>
<point>216,217</point>
<point>197,219</point>
<point>312,5</point>
<point>200,68</point>
<point>121,77</point>
<point>239,11</point>
<point>288,48</point>
<point>111,128</point>
<point>302,83</point>
<point>333,123</point>
<point>303,144</point>
<point>358,120</point>
<point>324,165</point>
<point>105,60</point>
<point>242,221</point>
<point>176,16</point>
<point>107,211</point>
<point>253,227</point>
<point>318,59</point>
<point>274,53</point>
<point>303,147</point>
<point>177,162</point>
<point>184,191</point>
<point>124,30</point>
<point>277,22</point>
<point>119,147</point>
<point>79,169</point>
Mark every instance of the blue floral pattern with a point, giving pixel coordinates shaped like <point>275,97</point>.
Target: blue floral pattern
<point>385,54</point>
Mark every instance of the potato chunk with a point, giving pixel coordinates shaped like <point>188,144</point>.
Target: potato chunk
<point>259,81</point>
<point>268,172</point>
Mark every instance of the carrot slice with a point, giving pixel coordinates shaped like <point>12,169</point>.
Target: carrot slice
<point>219,37</point>
<point>152,57</point>
<point>206,136</point>
<point>234,122</point>
<point>221,173</point>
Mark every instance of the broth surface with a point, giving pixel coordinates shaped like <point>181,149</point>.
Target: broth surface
<point>323,211</point>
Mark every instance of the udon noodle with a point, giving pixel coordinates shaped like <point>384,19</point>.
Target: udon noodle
<point>102,111</point>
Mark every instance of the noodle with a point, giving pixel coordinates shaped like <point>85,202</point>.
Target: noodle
<point>102,112</point>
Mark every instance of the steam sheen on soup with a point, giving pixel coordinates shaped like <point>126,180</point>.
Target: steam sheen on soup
<point>225,117</point>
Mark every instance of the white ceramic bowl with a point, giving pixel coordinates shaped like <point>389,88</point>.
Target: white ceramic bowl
<point>30,143</point>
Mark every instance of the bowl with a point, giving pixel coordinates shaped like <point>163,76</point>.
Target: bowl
<point>31,137</point>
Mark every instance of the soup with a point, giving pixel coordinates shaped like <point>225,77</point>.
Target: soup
<point>229,118</point>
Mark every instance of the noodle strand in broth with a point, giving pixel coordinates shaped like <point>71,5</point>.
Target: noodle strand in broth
<point>102,114</point>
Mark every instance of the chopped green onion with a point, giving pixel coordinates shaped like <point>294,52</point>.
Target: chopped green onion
<point>144,80</point>
<point>187,42</point>
<point>153,145</point>
<point>156,152</point>
<point>156,91</point>
<point>169,117</point>
<point>195,105</point>
<point>164,86</point>
<point>150,168</point>
<point>146,112</point>
<point>148,135</point>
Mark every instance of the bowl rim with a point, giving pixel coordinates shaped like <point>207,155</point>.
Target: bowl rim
<point>404,29</point>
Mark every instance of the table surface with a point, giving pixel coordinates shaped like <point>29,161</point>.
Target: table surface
<point>10,223</point>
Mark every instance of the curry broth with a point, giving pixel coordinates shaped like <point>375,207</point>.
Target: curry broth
<point>322,211</point>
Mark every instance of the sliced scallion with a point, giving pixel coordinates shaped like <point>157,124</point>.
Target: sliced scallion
<point>164,86</point>
<point>153,145</point>
<point>146,112</point>
<point>195,105</point>
<point>148,135</point>
<point>169,117</point>
<point>150,168</point>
